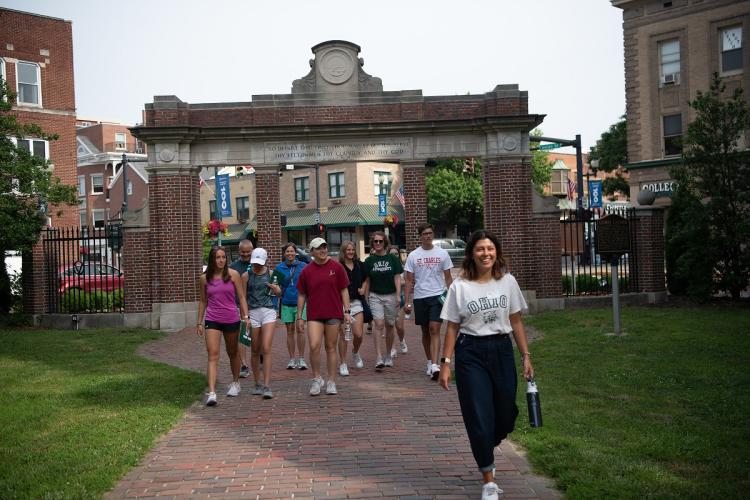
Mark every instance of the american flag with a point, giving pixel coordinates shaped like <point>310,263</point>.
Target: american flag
<point>400,196</point>
<point>571,189</point>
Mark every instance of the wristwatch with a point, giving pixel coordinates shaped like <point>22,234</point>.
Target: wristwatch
<point>445,361</point>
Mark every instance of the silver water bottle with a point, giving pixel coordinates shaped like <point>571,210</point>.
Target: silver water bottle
<point>347,332</point>
<point>533,403</point>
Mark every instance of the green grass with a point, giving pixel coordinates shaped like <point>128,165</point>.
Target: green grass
<point>663,412</point>
<point>78,409</point>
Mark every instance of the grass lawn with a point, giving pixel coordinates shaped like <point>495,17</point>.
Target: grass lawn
<point>78,409</point>
<point>663,412</point>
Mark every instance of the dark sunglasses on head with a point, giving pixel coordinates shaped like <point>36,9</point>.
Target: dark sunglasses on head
<point>377,241</point>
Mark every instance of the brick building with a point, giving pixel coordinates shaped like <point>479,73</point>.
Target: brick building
<point>36,61</point>
<point>672,48</point>
<point>564,170</point>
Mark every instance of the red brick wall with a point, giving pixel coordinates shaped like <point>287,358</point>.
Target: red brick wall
<point>136,267</point>
<point>650,249</point>
<point>269,213</point>
<point>33,276</point>
<point>415,198</point>
<point>545,230</point>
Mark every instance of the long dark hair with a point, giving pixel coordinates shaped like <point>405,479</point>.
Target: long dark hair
<point>211,267</point>
<point>469,268</point>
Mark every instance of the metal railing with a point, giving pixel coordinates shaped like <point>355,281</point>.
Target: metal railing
<point>84,269</point>
<point>584,271</point>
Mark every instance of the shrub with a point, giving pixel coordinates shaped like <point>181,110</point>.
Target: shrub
<point>567,284</point>
<point>74,301</point>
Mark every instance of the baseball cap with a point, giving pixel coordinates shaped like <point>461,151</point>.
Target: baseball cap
<point>316,243</point>
<point>259,256</point>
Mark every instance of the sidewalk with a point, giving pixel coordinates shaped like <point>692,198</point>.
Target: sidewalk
<point>393,434</point>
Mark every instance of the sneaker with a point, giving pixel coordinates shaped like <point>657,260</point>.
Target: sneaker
<point>244,371</point>
<point>234,389</point>
<point>379,364</point>
<point>435,372</point>
<point>358,360</point>
<point>211,399</point>
<point>394,352</point>
<point>257,390</point>
<point>292,364</point>
<point>490,491</point>
<point>343,370</point>
<point>429,368</point>
<point>388,361</point>
<point>317,384</point>
<point>331,388</point>
<point>404,347</point>
<point>301,364</point>
<point>267,393</point>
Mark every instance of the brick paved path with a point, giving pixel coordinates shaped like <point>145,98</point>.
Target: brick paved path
<point>390,434</point>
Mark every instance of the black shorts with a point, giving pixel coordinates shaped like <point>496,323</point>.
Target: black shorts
<point>427,310</point>
<point>329,321</point>
<point>222,327</point>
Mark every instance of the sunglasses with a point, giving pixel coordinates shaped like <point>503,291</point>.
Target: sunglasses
<point>378,242</point>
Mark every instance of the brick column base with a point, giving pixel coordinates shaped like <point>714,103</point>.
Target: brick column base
<point>415,199</point>
<point>649,243</point>
<point>34,280</point>
<point>268,212</point>
<point>136,268</point>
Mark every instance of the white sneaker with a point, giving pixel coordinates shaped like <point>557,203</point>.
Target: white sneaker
<point>429,368</point>
<point>301,365</point>
<point>404,347</point>
<point>317,384</point>
<point>379,364</point>
<point>211,399</point>
<point>435,372</point>
<point>331,388</point>
<point>234,389</point>
<point>388,361</point>
<point>292,364</point>
<point>358,360</point>
<point>490,491</point>
<point>343,370</point>
<point>394,352</point>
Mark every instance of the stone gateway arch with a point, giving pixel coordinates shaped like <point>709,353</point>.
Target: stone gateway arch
<point>335,113</point>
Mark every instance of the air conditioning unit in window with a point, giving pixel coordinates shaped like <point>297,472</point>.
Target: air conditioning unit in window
<point>670,79</point>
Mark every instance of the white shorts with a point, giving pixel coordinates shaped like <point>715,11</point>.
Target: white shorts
<point>384,307</point>
<point>356,307</point>
<point>262,316</point>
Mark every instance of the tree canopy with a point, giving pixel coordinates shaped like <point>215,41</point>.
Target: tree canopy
<point>612,152</point>
<point>541,167</point>
<point>454,194</point>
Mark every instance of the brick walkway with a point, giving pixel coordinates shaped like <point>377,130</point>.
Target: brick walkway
<point>393,434</point>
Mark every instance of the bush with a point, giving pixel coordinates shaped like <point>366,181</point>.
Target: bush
<point>74,301</point>
<point>77,301</point>
<point>567,284</point>
<point>588,283</point>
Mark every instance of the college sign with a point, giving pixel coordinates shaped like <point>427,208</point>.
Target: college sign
<point>662,189</point>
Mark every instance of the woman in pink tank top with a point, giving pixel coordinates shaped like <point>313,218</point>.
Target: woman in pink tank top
<point>219,286</point>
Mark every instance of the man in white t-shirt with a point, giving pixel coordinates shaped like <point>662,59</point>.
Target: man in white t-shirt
<point>428,275</point>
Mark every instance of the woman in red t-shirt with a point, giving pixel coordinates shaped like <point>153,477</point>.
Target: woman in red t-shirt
<point>323,286</point>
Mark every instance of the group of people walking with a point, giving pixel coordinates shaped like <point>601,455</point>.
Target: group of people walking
<point>482,308</point>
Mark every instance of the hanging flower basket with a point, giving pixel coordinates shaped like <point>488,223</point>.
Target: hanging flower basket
<point>390,220</point>
<point>212,228</point>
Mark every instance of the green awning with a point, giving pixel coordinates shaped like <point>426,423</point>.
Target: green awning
<point>238,232</point>
<point>340,216</point>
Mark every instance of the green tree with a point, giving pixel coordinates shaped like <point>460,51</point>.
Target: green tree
<point>454,194</point>
<point>715,177</point>
<point>541,167</point>
<point>612,152</point>
<point>27,188</point>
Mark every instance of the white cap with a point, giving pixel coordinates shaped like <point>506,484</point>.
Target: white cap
<point>259,256</point>
<point>316,243</point>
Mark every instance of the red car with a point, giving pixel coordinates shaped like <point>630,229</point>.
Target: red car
<point>90,276</point>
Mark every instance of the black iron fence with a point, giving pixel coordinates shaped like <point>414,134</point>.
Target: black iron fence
<point>83,269</point>
<point>584,271</point>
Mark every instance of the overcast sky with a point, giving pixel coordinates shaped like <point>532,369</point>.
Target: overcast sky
<point>567,55</point>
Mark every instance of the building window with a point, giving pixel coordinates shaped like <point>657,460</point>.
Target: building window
<point>302,189</point>
<point>130,188</point>
<point>731,49</point>
<point>2,69</point>
<point>81,185</point>
<point>673,135</point>
<point>28,78</point>
<point>97,184</point>
<point>336,185</point>
<point>121,141</point>
<point>83,218</point>
<point>37,147</point>
<point>243,208</point>
<point>559,182</point>
<point>382,182</point>
<point>212,214</point>
<point>669,56</point>
<point>97,217</point>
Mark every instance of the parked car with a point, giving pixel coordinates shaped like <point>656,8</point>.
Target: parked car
<point>455,248</point>
<point>90,276</point>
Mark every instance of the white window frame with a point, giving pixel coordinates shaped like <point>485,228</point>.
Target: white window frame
<point>38,85</point>
<point>2,71</point>
<point>387,184</point>
<point>130,188</point>
<point>722,50</point>
<point>666,137</point>
<point>93,183</point>
<point>670,59</point>
<point>83,218</point>
<point>340,187</point>
<point>304,189</point>
<point>103,219</point>
<point>81,186</point>
<point>32,140</point>
<point>121,145</point>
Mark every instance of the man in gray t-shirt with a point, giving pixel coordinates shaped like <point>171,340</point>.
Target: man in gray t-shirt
<point>241,265</point>
<point>428,275</point>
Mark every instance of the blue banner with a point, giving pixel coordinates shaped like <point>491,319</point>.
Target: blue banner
<point>595,194</point>
<point>223,203</point>
<point>382,206</point>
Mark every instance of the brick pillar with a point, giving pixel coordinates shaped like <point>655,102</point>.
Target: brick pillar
<point>136,266</point>
<point>268,211</point>
<point>415,199</point>
<point>649,246</point>
<point>34,280</point>
<point>174,240</point>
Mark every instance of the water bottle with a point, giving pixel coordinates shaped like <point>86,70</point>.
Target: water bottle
<point>347,332</point>
<point>533,403</point>
<point>270,290</point>
<point>407,315</point>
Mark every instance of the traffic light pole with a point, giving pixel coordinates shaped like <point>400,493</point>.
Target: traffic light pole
<point>576,143</point>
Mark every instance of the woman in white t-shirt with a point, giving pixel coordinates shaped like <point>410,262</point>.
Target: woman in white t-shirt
<point>482,309</point>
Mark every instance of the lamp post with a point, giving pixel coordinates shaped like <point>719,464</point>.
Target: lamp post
<point>593,169</point>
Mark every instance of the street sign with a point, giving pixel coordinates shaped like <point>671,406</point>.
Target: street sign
<point>382,206</point>
<point>595,194</point>
<point>316,217</point>
<point>548,147</point>
<point>222,195</point>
